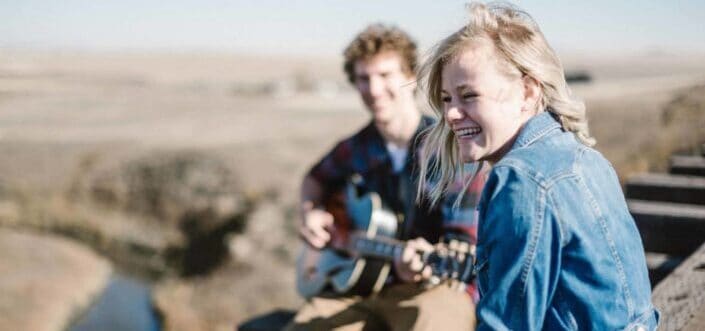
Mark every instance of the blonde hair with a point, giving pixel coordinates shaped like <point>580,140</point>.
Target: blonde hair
<point>520,48</point>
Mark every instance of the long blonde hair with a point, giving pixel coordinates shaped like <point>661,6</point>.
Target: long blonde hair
<point>519,46</point>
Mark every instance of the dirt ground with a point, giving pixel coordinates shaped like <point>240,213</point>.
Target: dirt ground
<point>268,118</point>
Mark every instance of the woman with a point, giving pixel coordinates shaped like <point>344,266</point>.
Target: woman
<point>557,248</point>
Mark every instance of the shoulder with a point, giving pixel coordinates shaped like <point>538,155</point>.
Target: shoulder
<point>508,187</point>
<point>510,193</point>
<point>427,121</point>
<point>425,125</point>
<point>517,186</point>
<point>364,136</point>
<point>548,160</point>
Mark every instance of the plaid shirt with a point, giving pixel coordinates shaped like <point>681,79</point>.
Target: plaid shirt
<point>365,154</point>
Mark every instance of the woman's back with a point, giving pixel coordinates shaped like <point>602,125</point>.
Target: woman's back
<point>558,206</point>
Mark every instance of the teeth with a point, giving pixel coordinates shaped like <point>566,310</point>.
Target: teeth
<point>468,132</point>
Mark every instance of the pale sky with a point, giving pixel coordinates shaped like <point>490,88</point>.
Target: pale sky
<point>324,27</point>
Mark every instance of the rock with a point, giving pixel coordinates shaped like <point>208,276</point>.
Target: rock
<point>683,120</point>
<point>192,193</point>
<point>226,298</point>
<point>258,279</point>
<point>46,281</point>
<point>166,185</point>
<point>9,212</point>
<point>270,233</point>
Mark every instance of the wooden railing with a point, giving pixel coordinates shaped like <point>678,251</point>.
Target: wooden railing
<point>669,210</point>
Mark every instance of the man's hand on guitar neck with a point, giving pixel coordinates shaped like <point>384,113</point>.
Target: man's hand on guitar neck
<point>315,226</point>
<point>409,265</point>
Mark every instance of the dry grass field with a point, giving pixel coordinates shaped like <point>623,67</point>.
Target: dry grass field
<point>65,117</point>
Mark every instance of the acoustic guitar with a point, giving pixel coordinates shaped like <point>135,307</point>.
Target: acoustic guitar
<point>358,258</point>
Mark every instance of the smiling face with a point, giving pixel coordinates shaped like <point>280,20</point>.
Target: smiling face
<point>484,107</point>
<point>384,85</point>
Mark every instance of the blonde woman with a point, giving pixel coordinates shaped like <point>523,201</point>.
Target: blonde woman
<point>557,248</point>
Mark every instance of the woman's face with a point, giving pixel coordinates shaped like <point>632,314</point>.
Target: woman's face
<point>483,106</point>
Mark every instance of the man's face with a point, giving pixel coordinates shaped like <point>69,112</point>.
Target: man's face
<point>384,85</point>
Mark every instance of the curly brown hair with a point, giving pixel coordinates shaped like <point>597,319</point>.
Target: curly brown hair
<point>378,38</point>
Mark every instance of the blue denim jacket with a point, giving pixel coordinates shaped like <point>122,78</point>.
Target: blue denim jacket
<point>557,248</point>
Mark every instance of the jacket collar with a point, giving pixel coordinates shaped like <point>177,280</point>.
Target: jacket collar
<point>535,128</point>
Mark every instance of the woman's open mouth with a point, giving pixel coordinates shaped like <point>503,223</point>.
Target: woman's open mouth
<point>468,133</point>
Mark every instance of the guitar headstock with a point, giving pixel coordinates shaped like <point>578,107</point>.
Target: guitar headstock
<point>452,263</point>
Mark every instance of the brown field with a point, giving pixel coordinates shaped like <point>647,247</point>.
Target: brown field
<point>64,115</point>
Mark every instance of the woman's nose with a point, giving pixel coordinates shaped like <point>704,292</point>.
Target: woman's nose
<point>453,113</point>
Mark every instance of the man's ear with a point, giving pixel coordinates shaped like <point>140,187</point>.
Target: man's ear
<point>532,93</point>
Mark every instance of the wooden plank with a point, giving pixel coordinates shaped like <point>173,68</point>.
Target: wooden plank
<point>668,188</point>
<point>688,165</point>
<point>681,296</point>
<point>669,228</point>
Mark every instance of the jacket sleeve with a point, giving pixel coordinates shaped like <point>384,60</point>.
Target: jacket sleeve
<point>518,252</point>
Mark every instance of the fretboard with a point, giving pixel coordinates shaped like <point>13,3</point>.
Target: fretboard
<point>381,248</point>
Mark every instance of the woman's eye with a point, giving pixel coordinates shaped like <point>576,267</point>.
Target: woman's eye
<point>445,99</point>
<point>469,95</point>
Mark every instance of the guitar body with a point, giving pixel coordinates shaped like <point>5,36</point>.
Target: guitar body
<point>338,267</point>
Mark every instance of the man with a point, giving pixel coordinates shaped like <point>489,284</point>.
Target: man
<point>380,63</point>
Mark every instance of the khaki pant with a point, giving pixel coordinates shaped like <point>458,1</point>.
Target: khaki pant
<point>396,308</point>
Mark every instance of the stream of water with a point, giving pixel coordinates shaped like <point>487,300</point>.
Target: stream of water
<point>124,305</point>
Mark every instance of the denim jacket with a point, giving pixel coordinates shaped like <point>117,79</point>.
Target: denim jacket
<point>557,248</point>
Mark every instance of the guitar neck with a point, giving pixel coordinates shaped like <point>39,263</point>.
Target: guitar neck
<point>380,248</point>
<point>454,262</point>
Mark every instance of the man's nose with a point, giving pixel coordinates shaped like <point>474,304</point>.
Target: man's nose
<point>376,86</point>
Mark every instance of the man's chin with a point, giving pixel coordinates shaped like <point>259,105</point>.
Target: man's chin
<point>381,116</point>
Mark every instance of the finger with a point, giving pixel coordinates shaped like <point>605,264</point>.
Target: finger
<point>320,233</point>
<point>423,244</point>
<point>321,216</point>
<point>408,254</point>
<point>416,265</point>
<point>316,242</point>
<point>327,218</point>
<point>420,244</point>
<point>426,273</point>
<point>316,224</point>
<point>312,240</point>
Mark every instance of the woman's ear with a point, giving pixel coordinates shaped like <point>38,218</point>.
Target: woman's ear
<point>532,94</point>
